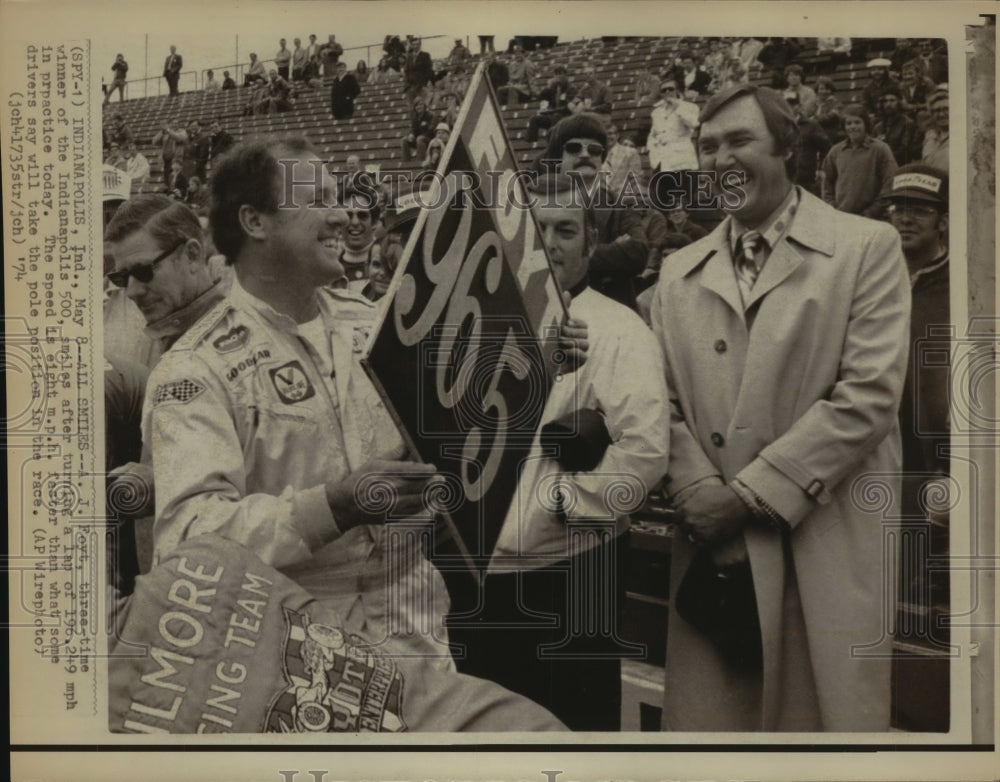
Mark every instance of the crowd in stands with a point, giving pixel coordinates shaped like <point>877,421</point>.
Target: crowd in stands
<point>846,154</point>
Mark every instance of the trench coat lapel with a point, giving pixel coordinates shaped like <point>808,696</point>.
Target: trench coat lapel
<point>784,260</point>
<point>718,275</point>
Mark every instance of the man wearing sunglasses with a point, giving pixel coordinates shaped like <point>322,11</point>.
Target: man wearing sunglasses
<point>674,122</point>
<point>159,276</point>
<point>578,146</point>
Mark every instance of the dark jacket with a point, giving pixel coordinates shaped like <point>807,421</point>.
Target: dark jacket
<point>342,95</point>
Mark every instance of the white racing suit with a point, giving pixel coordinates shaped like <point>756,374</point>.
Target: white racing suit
<point>245,431</point>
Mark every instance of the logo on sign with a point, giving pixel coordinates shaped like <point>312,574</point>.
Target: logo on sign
<point>234,338</point>
<point>291,383</point>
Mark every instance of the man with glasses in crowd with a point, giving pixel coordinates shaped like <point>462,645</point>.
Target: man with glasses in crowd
<point>674,121</point>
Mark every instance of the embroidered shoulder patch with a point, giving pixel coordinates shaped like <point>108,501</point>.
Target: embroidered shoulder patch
<point>177,391</point>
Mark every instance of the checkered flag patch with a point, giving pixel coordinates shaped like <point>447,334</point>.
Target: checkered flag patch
<point>178,391</point>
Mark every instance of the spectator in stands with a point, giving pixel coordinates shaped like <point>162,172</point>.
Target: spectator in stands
<point>312,73</point>
<point>674,121</point>
<point>934,60</point>
<point>395,51</point>
<point>277,95</point>
<point>219,141</point>
<point>343,91</point>
<point>621,161</point>
<point>897,130</point>
<point>880,79</point>
<point>227,81</point>
<point>734,72</point>
<point>176,182</point>
<point>935,150</point>
<point>811,150</point>
<point>452,107</point>
<point>196,151</point>
<point>691,79</point>
<point>486,44</point>
<point>836,50</point>
<point>121,133</point>
<point>115,157</point>
<point>353,169</point>
<point>172,70</point>
<point>579,143</point>
<point>804,95</point>
<point>521,87</point>
<point>197,196</point>
<point>670,243</point>
<point>120,69</point>
<point>459,57</point>
<point>555,97</point>
<point>137,166</point>
<point>496,71</point>
<point>211,85</point>
<point>435,149</point>
<point>858,169</point>
<point>300,56</point>
<point>171,141</point>
<point>313,49</point>
<point>359,236</point>
<point>422,124</point>
<point>647,88</point>
<point>361,72</point>
<point>282,60</point>
<point>714,62</point>
<point>418,72</point>
<point>915,88</point>
<point>385,258</point>
<point>256,74</point>
<point>680,222</point>
<point>747,50</point>
<point>829,110</point>
<point>776,55</point>
<point>591,95</point>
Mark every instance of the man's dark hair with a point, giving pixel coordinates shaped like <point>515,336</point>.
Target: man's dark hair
<point>584,125</point>
<point>778,116</point>
<point>794,68</point>
<point>859,112</point>
<point>248,174</point>
<point>168,221</point>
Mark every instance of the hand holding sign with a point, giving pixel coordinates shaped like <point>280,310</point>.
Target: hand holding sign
<point>573,340</point>
<point>384,486</point>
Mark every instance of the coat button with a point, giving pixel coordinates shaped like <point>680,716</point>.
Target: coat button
<point>717,439</point>
<point>720,346</point>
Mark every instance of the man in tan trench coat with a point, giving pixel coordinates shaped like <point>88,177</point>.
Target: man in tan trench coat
<point>785,363</point>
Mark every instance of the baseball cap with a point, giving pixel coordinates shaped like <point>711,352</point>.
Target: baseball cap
<point>920,182</point>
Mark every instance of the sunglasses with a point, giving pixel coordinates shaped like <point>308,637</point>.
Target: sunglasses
<point>576,147</point>
<point>142,272</point>
<point>668,89</point>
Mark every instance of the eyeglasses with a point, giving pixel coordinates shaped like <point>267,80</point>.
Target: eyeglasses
<point>912,210</point>
<point>143,272</point>
<point>576,147</point>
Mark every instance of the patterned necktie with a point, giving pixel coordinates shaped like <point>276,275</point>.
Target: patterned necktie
<point>749,247</point>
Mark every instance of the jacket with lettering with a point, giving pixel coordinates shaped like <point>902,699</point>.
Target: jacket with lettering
<point>245,433</point>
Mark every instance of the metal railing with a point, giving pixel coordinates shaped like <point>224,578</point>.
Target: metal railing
<point>194,80</point>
